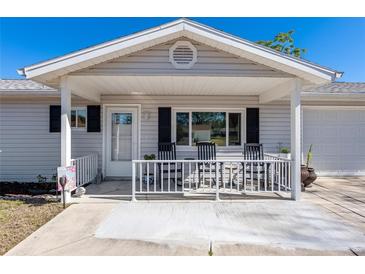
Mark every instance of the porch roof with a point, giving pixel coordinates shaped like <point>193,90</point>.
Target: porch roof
<point>48,72</point>
<point>15,87</point>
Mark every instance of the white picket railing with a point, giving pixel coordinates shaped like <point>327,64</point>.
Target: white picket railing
<point>211,176</point>
<point>86,169</point>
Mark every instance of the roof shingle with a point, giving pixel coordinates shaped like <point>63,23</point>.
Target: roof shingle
<point>25,86</point>
<point>22,85</point>
<point>340,87</point>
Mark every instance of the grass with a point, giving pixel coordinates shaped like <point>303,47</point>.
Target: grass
<point>19,218</point>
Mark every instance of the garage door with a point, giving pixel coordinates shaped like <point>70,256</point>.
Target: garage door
<point>338,138</point>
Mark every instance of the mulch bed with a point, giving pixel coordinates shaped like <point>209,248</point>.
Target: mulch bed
<point>20,215</point>
<point>28,188</point>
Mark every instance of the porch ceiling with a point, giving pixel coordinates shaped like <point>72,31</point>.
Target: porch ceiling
<point>94,86</point>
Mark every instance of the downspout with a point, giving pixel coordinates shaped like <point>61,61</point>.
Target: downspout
<point>21,72</point>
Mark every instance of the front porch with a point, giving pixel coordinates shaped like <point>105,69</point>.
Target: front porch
<point>217,177</point>
<point>121,190</point>
<point>236,175</point>
<point>223,178</point>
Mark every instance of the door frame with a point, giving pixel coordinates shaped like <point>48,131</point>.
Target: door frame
<point>105,107</point>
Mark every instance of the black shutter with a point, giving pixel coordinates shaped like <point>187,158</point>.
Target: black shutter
<point>54,118</point>
<point>93,118</point>
<point>252,125</point>
<point>164,125</point>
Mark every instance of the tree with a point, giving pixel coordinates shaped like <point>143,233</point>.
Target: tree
<point>284,42</point>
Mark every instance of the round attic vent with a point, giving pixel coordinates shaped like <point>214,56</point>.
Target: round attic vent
<point>183,55</point>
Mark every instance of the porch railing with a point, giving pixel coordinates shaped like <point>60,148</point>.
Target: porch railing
<point>211,176</point>
<point>86,169</point>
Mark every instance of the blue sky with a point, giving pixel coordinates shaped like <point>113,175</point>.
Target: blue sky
<point>337,43</point>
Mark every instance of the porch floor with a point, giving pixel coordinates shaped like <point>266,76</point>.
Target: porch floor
<point>122,190</point>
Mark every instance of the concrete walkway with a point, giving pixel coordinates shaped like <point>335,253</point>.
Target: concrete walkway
<point>109,226</point>
<point>285,224</point>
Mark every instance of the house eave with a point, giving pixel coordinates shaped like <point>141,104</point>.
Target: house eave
<point>56,67</point>
<point>317,96</point>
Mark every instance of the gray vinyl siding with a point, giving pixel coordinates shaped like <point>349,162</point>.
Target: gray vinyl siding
<point>275,127</point>
<point>274,119</point>
<point>155,61</point>
<point>27,148</point>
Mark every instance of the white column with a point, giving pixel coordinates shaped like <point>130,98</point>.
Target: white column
<point>295,112</point>
<point>65,122</point>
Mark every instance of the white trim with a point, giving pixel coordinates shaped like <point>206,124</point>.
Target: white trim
<point>189,110</point>
<point>295,139</point>
<point>182,27</point>
<point>333,94</point>
<point>334,107</point>
<point>66,136</point>
<point>105,106</point>
<point>277,92</point>
<point>100,46</point>
<point>301,134</point>
<point>340,173</point>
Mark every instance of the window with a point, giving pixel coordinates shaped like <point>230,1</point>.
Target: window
<point>182,128</point>
<point>209,126</point>
<point>221,127</point>
<point>78,117</point>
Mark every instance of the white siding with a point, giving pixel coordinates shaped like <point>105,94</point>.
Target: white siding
<point>275,127</point>
<point>27,148</point>
<point>155,61</point>
<point>274,119</point>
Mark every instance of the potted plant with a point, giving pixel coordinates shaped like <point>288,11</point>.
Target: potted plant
<point>284,153</point>
<point>312,176</point>
<point>304,174</point>
<point>148,157</point>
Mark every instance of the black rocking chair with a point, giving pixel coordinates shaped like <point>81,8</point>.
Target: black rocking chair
<point>167,151</point>
<point>207,151</point>
<point>255,151</point>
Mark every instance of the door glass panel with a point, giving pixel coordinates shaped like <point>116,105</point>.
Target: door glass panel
<point>235,129</point>
<point>182,128</point>
<point>121,137</point>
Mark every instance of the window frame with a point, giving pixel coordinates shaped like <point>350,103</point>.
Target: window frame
<point>77,109</point>
<point>242,111</point>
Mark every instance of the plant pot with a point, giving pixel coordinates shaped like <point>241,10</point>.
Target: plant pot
<point>304,173</point>
<point>312,176</point>
<point>285,155</point>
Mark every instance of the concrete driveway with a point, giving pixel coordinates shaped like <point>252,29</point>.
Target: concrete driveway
<point>323,223</point>
<point>342,197</point>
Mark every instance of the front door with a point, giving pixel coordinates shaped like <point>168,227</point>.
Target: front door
<point>121,140</point>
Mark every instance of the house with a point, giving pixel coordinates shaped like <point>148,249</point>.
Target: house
<point>118,100</point>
